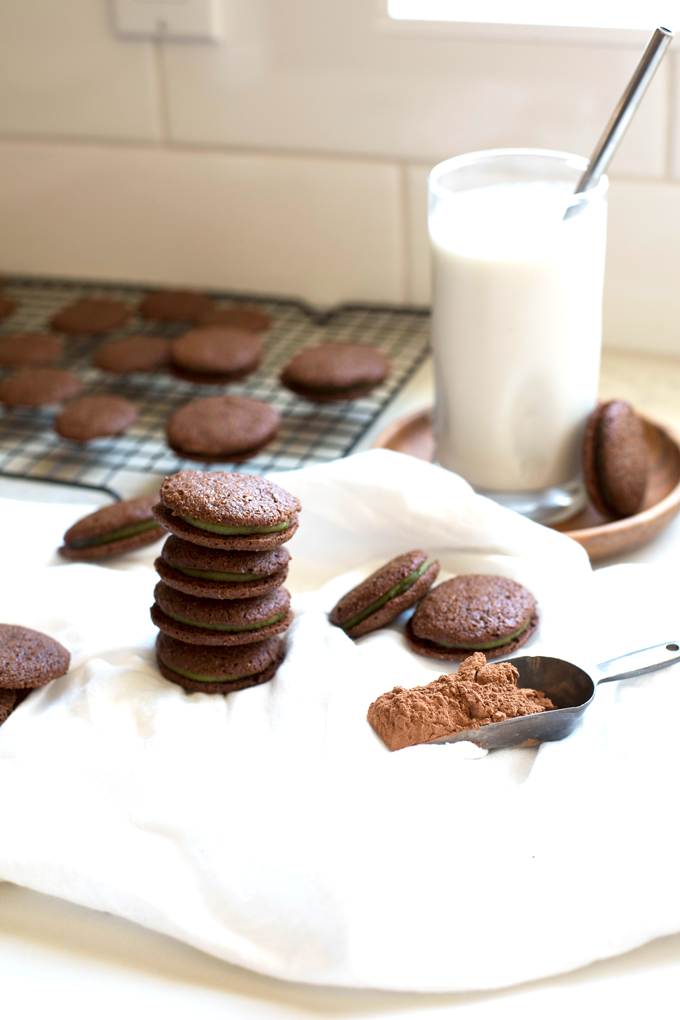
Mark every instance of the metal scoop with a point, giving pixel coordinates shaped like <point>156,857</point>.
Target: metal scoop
<point>568,687</point>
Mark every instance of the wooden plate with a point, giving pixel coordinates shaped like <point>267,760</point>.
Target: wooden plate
<point>601,538</point>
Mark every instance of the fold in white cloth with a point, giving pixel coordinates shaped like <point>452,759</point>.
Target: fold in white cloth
<point>272,828</point>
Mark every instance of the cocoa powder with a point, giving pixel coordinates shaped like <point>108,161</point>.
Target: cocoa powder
<point>474,696</point>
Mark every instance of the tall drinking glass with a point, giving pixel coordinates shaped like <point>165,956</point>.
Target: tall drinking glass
<point>516,323</point>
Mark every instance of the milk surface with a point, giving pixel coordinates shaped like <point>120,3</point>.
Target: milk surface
<point>516,332</point>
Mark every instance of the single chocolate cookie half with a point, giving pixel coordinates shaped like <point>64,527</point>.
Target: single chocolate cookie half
<point>219,574</point>
<point>220,621</point>
<point>222,428</point>
<point>133,354</point>
<point>336,372</point>
<point>91,315</point>
<point>615,459</point>
<point>175,305</point>
<point>227,510</point>
<point>215,354</point>
<point>7,305</point>
<point>90,417</point>
<point>113,530</point>
<point>241,316</point>
<point>33,387</point>
<point>7,703</point>
<point>29,658</point>
<point>218,669</point>
<point>473,613</point>
<point>30,348</point>
<point>385,594</point>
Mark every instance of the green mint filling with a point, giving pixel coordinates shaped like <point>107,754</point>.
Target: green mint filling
<point>219,575</point>
<point>230,628</point>
<point>391,593</point>
<point>202,677</point>
<point>116,536</point>
<point>486,644</point>
<point>223,529</point>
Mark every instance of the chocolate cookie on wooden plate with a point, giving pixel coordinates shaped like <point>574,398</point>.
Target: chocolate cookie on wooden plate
<point>29,658</point>
<point>175,305</point>
<point>220,621</point>
<point>215,354</point>
<point>133,354</point>
<point>242,316</point>
<point>336,372</point>
<point>113,530</point>
<point>30,348</point>
<point>218,669</point>
<point>34,387</point>
<point>92,417</point>
<point>218,573</point>
<point>222,428</point>
<point>615,459</point>
<point>91,315</point>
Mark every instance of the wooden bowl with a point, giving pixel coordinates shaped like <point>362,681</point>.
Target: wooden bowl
<point>601,538</point>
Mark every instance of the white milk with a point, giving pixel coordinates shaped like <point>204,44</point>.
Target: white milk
<point>516,332</point>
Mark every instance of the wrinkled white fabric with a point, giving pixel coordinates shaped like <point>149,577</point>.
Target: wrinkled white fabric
<point>272,828</point>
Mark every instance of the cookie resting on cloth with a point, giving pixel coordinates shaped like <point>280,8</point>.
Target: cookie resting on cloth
<point>222,428</point>
<point>385,594</point>
<point>29,658</point>
<point>113,530</point>
<point>33,387</point>
<point>91,417</point>
<point>133,354</point>
<point>170,305</point>
<point>220,621</point>
<point>335,371</point>
<point>30,348</point>
<point>221,574</point>
<point>615,459</point>
<point>91,315</point>
<point>218,670</point>
<point>215,354</point>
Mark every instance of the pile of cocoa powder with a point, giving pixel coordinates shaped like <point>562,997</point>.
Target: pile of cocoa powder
<point>474,696</point>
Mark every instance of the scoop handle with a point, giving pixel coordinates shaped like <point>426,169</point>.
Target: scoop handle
<point>645,660</point>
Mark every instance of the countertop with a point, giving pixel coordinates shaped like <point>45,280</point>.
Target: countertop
<point>61,960</point>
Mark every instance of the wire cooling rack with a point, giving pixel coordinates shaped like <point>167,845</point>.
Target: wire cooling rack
<point>310,433</point>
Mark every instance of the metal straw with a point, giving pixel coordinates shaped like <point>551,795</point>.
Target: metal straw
<point>622,115</point>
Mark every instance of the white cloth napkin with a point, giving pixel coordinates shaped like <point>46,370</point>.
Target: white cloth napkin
<point>272,828</point>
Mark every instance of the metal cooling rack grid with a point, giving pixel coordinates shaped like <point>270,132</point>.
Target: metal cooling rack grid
<point>310,433</point>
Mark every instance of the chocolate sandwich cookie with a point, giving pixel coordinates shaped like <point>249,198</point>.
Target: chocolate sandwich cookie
<point>218,670</point>
<point>133,354</point>
<point>215,354</point>
<point>241,316</point>
<point>615,459</point>
<point>29,658</point>
<point>220,621</point>
<point>91,417</point>
<point>7,306</point>
<point>222,428</point>
<point>473,613</point>
<point>113,530</point>
<point>7,703</point>
<point>91,315</point>
<point>220,574</point>
<point>336,372</point>
<point>33,387</point>
<point>385,594</point>
<point>30,348</point>
<point>227,510</point>
<point>175,305</point>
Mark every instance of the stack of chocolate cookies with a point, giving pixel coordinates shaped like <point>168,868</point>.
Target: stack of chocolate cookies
<point>220,605</point>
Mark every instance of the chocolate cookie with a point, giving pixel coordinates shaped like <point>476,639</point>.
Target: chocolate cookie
<point>33,387</point>
<point>473,613</point>
<point>90,417</point>
<point>385,594</point>
<point>113,530</point>
<point>335,372</point>
<point>7,306</point>
<point>91,315</point>
<point>29,658</point>
<point>216,574</point>
<point>175,305</point>
<point>241,316</point>
<point>133,354</point>
<point>218,670</point>
<point>227,510</point>
<point>215,354</point>
<point>222,428</point>
<point>30,348</point>
<point>7,703</point>
<point>615,459</point>
<point>220,621</point>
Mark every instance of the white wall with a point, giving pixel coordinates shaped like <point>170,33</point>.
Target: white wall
<point>292,157</point>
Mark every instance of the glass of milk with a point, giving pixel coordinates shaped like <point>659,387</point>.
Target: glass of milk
<point>516,323</point>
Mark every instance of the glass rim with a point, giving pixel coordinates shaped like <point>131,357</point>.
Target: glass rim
<point>570,159</point>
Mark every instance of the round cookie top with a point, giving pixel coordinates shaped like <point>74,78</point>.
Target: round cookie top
<point>615,459</point>
<point>33,387</point>
<point>29,658</point>
<point>30,348</point>
<point>228,498</point>
<point>217,349</point>
<point>378,584</point>
<point>91,315</point>
<point>332,367</point>
<point>90,417</point>
<point>241,316</point>
<point>234,612</point>
<point>111,519</point>
<point>169,305</point>
<point>133,354</point>
<point>222,427</point>
<point>473,610</point>
<point>222,661</point>
<point>7,305</point>
<point>187,556</point>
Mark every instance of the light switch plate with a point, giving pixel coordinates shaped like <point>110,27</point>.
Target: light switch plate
<point>181,20</point>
